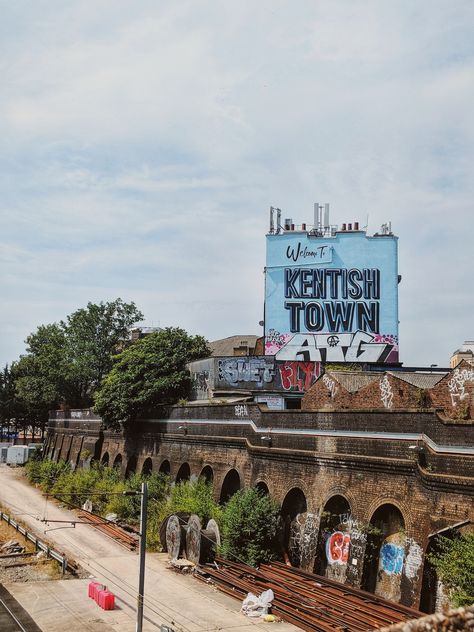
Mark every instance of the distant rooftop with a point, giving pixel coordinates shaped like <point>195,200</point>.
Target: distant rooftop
<point>234,346</point>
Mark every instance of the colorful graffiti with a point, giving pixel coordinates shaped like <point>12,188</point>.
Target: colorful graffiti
<point>337,547</point>
<point>457,384</point>
<point>254,373</point>
<point>391,558</point>
<point>357,347</point>
<point>348,289</point>
<point>303,539</point>
<point>386,392</point>
<point>258,370</point>
<point>299,376</point>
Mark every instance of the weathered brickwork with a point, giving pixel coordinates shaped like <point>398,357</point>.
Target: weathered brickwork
<point>361,491</point>
<point>452,393</point>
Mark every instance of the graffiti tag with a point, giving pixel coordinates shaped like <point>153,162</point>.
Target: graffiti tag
<point>241,410</point>
<point>456,384</point>
<point>299,376</point>
<point>386,393</point>
<point>414,559</point>
<point>357,347</point>
<point>391,558</point>
<point>258,370</point>
<point>337,547</point>
<point>330,384</point>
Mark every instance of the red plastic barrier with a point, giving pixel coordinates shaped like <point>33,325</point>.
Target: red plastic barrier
<point>93,589</point>
<point>106,600</point>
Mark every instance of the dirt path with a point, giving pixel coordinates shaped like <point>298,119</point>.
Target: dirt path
<point>175,600</point>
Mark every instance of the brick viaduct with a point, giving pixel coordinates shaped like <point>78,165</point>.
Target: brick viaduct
<point>362,492</point>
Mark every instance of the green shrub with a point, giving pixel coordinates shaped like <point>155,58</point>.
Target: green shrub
<point>45,473</point>
<point>250,526</point>
<point>454,564</point>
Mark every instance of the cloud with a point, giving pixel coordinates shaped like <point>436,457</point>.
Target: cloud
<point>143,144</point>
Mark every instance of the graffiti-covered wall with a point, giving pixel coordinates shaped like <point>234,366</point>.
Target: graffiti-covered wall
<point>331,299</point>
<point>252,373</point>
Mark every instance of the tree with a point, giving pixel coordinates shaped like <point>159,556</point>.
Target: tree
<point>93,336</point>
<point>454,564</point>
<point>250,527</point>
<point>150,372</point>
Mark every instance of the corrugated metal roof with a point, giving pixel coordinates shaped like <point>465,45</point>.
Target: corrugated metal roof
<point>420,380</point>
<point>354,381</point>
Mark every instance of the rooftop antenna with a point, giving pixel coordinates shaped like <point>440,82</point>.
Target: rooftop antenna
<point>326,217</point>
<point>278,222</point>
<point>272,225</point>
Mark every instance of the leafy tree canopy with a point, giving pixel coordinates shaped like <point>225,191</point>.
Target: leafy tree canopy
<point>150,372</point>
<point>454,564</point>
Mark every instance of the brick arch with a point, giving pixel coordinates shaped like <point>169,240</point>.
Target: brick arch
<point>165,466</point>
<point>339,490</point>
<point>402,507</point>
<point>225,495</point>
<point>303,485</point>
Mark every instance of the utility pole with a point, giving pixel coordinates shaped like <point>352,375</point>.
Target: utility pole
<point>141,577</point>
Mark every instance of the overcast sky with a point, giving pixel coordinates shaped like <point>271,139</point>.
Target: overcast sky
<point>143,142</point>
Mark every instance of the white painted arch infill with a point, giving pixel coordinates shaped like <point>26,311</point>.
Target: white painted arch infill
<point>312,432</point>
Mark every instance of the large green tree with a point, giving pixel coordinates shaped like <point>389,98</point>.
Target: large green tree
<point>65,362</point>
<point>93,336</point>
<point>149,373</point>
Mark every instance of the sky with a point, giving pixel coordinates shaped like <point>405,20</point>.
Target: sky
<point>143,142</point>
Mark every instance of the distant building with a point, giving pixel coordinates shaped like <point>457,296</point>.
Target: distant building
<point>234,346</point>
<point>140,332</point>
<point>465,352</point>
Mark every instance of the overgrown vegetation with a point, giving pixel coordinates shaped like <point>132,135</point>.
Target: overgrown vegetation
<point>454,564</point>
<point>250,526</point>
<point>249,521</point>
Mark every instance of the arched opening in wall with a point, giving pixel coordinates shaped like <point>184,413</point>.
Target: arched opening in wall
<point>384,553</point>
<point>184,473</point>
<point>147,467</point>
<point>118,462</point>
<point>332,549</point>
<point>430,588</point>
<point>105,459</point>
<point>131,466</point>
<point>294,504</point>
<point>262,488</point>
<point>165,468</point>
<point>230,486</point>
<point>207,474</point>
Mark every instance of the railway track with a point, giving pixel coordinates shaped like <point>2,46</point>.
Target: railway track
<point>12,616</point>
<point>110,529</point>
<point>311,602</point>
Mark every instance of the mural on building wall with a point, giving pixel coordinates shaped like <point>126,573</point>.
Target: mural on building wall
<point>357,347</point>
<point>386,392</point>
<point>298,376</point>
<point>340,307</point>
<point>252,373</point>
<point>457,384</point>
<point>253,370</point>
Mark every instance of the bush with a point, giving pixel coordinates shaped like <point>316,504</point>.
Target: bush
<point>46,473</point>
<point>250,527</point>
<point>454,564</point>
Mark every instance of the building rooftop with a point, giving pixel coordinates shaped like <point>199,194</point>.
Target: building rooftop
<point>234,346</point>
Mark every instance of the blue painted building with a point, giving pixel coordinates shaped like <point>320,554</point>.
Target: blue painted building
<point>331,295</point>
